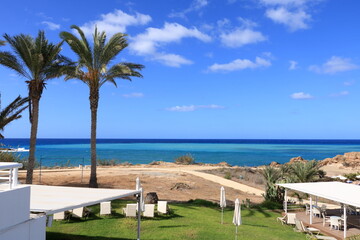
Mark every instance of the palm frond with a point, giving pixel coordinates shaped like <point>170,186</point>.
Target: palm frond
<point>12,112</point>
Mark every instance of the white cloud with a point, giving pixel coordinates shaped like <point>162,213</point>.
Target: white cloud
<point>293,65</point>
<point>349,83</point>
<point>301,95</point>
<point>115,22</point>
<point>133,95</point>
<point>294,20</point>
<point>333,65</point>
<point>284,2</point>
<point>240,37</point>
<point>196,5</point>
<point>148,43</point>
<point>191,108</point>
<point>51,25</point>
<point>340,94</point>
<point>240,64</point>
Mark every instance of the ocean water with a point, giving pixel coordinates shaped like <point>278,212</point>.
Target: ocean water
<point>243,152</point>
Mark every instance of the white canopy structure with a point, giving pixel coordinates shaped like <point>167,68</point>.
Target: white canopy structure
<point>342,193</point>
<point>48,200</point>
<point>53,199</point>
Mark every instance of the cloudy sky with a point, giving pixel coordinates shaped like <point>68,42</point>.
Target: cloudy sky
<point>214,69</point>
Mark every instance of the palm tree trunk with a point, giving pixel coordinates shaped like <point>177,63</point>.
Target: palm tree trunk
<point>33,136</point>
<point>94,100</point>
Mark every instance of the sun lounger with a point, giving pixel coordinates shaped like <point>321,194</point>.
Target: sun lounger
<point>105,208</point>
<point>311,236</point>
<point>162,207</point>
<point>299,227</point>
<point>81,212</point>
<point>149,210</point>
<point>130,210</point>
<point>289,218</point>
<point>61,216</point>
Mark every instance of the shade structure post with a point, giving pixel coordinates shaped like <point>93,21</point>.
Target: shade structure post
<point>285,201</point>
<point>138,198</point>
<point>316,201</point>
<point>345,222</point>
<point>311,210</point>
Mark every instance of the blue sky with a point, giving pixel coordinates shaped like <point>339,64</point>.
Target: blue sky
<point>214,69</point>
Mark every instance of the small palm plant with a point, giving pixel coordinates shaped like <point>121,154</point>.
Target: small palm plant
<point>37,61</point>
<point>272,192</point>
<point>92,68</point>
<point>12,112</point>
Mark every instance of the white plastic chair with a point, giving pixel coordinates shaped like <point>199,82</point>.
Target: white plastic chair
<point>316,212</point>
<point>335,223</point>
<point>149,210</point>
<point>105,208</point>
<point>130,210</point>
<point>162,207</point>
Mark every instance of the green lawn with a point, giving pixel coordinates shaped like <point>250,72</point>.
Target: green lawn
<point>187,221</point>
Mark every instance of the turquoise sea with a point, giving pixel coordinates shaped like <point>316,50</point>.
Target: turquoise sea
<point>241,152</point>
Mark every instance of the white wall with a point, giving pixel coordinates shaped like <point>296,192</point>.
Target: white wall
<point>15,222</point>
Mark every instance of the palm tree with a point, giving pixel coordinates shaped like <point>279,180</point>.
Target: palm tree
<point>92,68</point>
<point>37,61</point>
<point>12,112</point>
<point>272,192</point>
<point>305,171</point>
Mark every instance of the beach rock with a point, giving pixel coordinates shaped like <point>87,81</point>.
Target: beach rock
<point>223,164</point>
<point>297,159</point>
<point>274,164</point>
<point>180,186</point>
<point>350,159</point>
<point>151,198</point>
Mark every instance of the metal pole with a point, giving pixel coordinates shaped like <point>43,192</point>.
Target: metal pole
<point>311,210</point>
<point>236,232</point>
<point>345,221</point>
<point>222,215</point>
<point>139,215</point>
<point>285,201</point>
<point>40,170</point>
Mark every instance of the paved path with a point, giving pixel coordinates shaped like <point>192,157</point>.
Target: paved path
<point>226,182</point>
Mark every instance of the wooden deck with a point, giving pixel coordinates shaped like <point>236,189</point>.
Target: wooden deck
<point>353,227</point>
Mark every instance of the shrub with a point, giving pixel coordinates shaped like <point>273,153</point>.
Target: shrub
<point>203,203</point>
<point>106,162</point>
<point>185,159</point>
<point>351,176</point>
<point>228,175</point>
<point>9,157</point>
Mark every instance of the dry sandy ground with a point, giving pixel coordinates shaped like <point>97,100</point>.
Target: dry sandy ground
<point>159,179</point>
<point>338,169</point>
<point>162,178</point>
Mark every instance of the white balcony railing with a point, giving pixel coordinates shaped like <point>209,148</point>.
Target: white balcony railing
<point>9,174</point>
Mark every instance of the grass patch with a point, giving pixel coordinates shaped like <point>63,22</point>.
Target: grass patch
<point>195,220</point>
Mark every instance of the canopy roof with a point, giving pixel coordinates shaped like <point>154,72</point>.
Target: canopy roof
<point>345,193</point>
<point>53,199</point>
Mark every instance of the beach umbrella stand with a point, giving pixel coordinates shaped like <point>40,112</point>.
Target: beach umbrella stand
<point>222,203</point>
<point>237,217</point>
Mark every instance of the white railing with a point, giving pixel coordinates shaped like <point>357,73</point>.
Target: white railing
<point>9,173</point>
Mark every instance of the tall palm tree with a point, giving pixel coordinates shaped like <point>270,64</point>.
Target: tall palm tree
<point>92,68</point>
<point>37,61</point>
<point>12,112</point>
